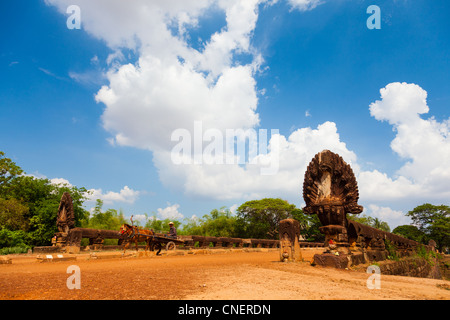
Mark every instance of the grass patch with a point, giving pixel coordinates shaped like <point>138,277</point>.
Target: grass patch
<point>428,255</point>
<point>14,250</point>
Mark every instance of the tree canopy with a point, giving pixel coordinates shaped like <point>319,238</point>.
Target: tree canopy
<point>261,218</point>
<point>218,223</point>
<point>28,206</point>
<point>434,222</point>
<point>370,221</point>
<point>106,220</point>
<point>410,232</point>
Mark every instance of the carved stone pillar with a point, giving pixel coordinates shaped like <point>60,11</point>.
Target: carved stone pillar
<point>289,231</point>
<point>65,220</point>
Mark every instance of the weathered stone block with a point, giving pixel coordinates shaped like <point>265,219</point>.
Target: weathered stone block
<point>331,260</point>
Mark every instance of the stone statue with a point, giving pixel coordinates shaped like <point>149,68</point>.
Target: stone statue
<point>66,216</point>
<point>330,191</point>
<point>289,231</point>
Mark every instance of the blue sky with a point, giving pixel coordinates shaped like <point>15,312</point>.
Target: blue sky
<point>96,106</point>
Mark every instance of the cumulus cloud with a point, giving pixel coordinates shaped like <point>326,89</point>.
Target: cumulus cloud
<point>393,217</point>
<point>173,85</point>
<point>400,103</point>
<point>60,182</point>
<point>142,218</point>
<point>146,103</point>
<point>170,212</point>
<point>423,143</point>
<point>234,181</point>
<point>126,195</point>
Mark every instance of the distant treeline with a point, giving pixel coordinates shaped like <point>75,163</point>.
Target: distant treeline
<point>28,208</point>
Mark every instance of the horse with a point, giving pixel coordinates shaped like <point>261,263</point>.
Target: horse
<point>134,234</point>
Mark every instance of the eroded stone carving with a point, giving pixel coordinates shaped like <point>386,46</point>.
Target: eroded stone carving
<point>289,231</point>
<point>66,216</point>
<point>330,191</point>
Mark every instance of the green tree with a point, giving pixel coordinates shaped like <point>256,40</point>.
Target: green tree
<point>105,220</point>
<point>17,238</point>
<point>13,215</point>
<point>42,198</point>
<point>161,226</point>
<point>193,226</point>
<point>218,223</point>
<point>8,171</point>
<point>371,222</point>
<point>310,224</point>
<point>29,205</point>
<point>434,222</point>
<point>261,218</point>
<point>410,232</point>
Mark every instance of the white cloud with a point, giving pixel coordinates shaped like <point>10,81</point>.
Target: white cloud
<point>51,74</point>
<point>146,118</point>
<point>142,218</point>
<point>233,181</point>
<point>304,5</point>
<point>170,212</point>
<point>423,144</point>
<point>172,85</point>
<point>393,217</point>
<point>90,77</point>
<point>124,24</point>
<point>126,195</point>
<point>400,103</point>
<point>377,186</point>
<point>60,182</point>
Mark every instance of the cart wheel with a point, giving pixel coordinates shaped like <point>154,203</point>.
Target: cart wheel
<point>170,245</point>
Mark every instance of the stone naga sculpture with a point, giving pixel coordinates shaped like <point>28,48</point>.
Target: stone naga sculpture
<point>66,216</point>
<point>330,191</point>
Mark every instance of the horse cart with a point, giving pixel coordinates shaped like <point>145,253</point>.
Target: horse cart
<point>169,243</point>
<point>154,241</point>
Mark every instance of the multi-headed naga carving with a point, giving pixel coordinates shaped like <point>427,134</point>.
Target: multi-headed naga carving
<point>70,236</point>
<point>330,191</point>
<point>66,216</point>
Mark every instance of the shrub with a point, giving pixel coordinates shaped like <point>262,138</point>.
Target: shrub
<point>392,250</point>
<point>14,250</point>
<point>10,238</point>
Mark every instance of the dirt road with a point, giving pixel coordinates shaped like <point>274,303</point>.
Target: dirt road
<point>237,275</point>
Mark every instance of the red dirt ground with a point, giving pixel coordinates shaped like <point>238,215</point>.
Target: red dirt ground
<point>226,275</point>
